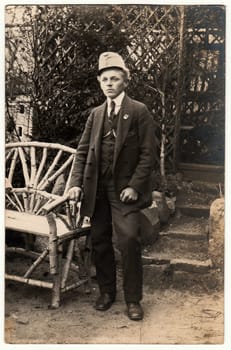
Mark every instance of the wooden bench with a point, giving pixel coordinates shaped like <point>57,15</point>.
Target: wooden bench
<point>37,180</point>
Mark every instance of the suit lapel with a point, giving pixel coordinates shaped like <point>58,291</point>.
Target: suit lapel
<point>98,129</point>
<point>124,122</point>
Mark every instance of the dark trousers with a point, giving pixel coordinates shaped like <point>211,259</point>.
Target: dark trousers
<point>108,214</point>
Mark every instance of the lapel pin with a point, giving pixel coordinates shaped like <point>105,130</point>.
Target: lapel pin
<point>126,116</point>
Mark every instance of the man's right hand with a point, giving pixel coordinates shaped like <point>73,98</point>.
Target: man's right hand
<point>75,194</point>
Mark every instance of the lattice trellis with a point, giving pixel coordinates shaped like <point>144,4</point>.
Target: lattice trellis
<point>152,56</point>
<point>175,54</point>
<point>203,116</point>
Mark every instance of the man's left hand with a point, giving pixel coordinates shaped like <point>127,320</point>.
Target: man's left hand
<point>128,195</point>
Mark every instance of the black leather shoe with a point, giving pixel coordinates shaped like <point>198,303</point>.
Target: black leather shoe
<point>135,311</point>
<point>104,302</point>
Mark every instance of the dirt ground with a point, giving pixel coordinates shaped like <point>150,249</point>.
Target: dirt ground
<point>186,314</point>
<point>172,316</point>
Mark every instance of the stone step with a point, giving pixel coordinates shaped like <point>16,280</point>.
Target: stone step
<point>179,264</point>
<point>187,225</point>
<point>190,265</point>
<point>179,247</point>
<point>184,235</point>
<point>203,173</point>
<point>193,210</point>
<point>196,281</point>
<point>191,275</point>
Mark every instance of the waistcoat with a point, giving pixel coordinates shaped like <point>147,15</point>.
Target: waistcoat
<point>108,144</point>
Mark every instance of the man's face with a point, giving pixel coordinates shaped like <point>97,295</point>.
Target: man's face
<point>112,82</point>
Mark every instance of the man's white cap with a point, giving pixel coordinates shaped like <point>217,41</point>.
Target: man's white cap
<point>111,60</point>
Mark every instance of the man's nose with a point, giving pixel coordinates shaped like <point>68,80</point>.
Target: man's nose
<point>109,83</point>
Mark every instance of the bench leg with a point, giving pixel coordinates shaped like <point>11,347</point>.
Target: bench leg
<point>57,278</point>
<point>55,257</point>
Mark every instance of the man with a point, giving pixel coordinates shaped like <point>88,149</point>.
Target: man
<point>112,176</point>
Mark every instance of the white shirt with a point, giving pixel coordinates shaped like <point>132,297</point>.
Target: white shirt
<point>118,102</point>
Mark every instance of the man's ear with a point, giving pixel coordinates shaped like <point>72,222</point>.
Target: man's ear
<point>98,78</point>
<point>126,83</point>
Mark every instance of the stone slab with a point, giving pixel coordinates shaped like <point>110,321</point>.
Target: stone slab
<point>194,210</point>
<point>191,265</point>
<point>188,235</point>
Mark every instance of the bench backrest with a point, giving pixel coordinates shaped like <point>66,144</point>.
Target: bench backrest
<point>37,173</point>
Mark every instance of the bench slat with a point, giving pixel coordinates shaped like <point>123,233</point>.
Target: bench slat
<point>41,166</point>
<point>53,165</point>
<point>24,166</point>
<point>32,165</point>
<point>40,145</point>
<point>46,180</point>
<point>35,224</point>
<point>12,165</point>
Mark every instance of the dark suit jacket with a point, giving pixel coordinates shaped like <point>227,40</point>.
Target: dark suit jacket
<point>134,155</point>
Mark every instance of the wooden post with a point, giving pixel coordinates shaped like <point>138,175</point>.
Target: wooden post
<point>57,278</point>
<point>180,87</point>
<point>55,255</point>
<point>53,244</point>
<point>67,264</point>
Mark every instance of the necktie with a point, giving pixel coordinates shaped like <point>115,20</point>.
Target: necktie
<point>112,112</point>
